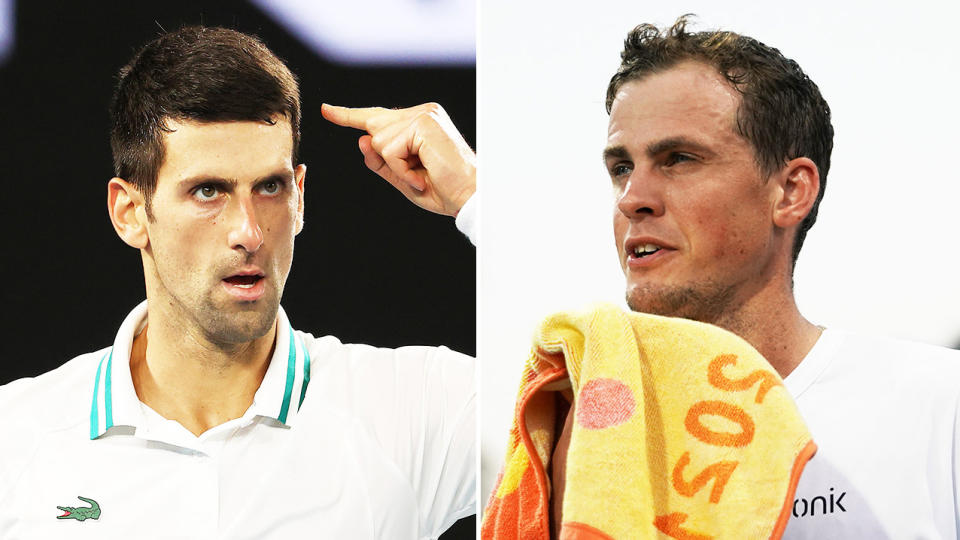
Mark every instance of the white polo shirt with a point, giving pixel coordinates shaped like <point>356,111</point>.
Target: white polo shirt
<point>341,441</point>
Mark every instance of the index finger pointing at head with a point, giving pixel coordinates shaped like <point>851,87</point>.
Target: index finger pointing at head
<point>350,117</point>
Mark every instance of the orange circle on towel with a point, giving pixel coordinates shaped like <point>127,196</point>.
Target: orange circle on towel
<point>603,403</point>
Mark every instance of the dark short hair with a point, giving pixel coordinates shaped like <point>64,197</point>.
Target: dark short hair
<point>781,114</point>
<point>196,73</point>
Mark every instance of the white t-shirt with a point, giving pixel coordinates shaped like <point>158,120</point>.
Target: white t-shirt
<point>885,415</point>
<point>375,443</point>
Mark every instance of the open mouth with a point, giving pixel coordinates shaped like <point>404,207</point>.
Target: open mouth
<point>244,282</point>
<point>645,250</point>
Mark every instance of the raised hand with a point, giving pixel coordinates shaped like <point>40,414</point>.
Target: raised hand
<point>418,150</point>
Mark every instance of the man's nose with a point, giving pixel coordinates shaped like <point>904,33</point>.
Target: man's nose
<point>245,230</point>
<point>641,196</point>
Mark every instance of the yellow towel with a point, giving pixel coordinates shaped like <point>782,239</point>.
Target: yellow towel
<point>682,430</point>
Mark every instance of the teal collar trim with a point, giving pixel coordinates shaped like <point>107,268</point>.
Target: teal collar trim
<point>285,383</point>
<point>292,374</point>
<point>306,376</point>
<point>115,400</point>
<point>107,408</point>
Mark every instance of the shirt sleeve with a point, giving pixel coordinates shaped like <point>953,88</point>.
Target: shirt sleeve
<point>419,404</point>
<point>444,474</point>
<point>467,220</point>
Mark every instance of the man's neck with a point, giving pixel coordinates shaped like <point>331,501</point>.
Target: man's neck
<point>182,376</point>
<point>771,322</point>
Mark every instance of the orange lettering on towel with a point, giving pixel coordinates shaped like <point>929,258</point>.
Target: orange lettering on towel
<point>720,472</point>
<point>715,374</point>
<point>669,524</point>
<point>718,438</point>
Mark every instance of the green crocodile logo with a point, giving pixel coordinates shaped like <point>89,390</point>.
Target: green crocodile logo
<point>82,513</point>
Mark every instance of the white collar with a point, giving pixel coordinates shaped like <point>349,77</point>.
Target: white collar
<point>115,401</point>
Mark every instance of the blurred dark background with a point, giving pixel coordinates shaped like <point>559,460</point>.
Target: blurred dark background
<point>369,266</point>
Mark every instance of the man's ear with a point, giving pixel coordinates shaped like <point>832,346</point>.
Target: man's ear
<point>800,183</point>
<point>127,210</point>
<point>299,175</point>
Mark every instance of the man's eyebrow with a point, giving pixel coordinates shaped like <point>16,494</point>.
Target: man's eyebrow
<point>282,175</point>
<point>615,152</point>
<point>207,179</point>
<point>672,143</point>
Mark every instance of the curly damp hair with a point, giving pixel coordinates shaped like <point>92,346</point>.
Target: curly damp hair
<point>200,74</point>
<point>781,114</point>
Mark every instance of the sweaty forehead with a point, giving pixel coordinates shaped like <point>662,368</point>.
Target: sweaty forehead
<point>242,150</point>
<point>689,99</point>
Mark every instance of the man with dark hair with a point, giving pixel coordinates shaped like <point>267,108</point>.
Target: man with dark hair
<point>718,150</point>
<point>210,416</point>
<point>183,76</point>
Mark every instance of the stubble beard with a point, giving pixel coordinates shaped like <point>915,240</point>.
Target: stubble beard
<point>227,328</point>
<point>224,323</point>
<point>705,302</point>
